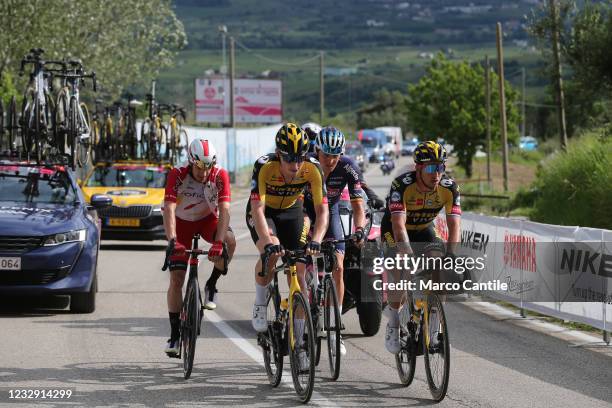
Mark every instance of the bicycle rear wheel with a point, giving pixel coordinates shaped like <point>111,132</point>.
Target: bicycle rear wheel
<point>73,134</point>
<point>271,342</point>
<point>405,360</point>
<point>303,349</point>
<point>190,316</point>
<point>332,330</point>
<point>437,354</point>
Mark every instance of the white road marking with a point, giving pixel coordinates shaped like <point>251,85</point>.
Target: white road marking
<point>243,236</point>
<point>241,201</point>
<point>255,354</point>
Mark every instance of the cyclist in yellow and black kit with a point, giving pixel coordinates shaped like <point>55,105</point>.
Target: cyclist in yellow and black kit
<point>274,212</point>
<point>414,201</point>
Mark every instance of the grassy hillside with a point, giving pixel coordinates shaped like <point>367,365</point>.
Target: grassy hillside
<point>386,56</point>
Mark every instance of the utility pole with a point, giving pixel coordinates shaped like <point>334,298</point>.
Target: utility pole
<point>232,69</point>
<point>232,72</point>
<point>322,88</point>
<point>502,104</point>
<point>223,69</point>
<point>554,15</point>
<point>488,100</point>
<point>524,121</point>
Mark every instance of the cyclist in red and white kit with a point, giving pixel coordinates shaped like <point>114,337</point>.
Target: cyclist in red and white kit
<point>197,200</point>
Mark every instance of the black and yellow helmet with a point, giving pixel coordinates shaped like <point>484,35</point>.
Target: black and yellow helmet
<point>292,140</point>
<point>429,152</point>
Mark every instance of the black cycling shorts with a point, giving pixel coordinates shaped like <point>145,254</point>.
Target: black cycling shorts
<point>286,224</point>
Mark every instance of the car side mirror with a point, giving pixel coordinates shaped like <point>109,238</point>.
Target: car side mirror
<point>101,201</point>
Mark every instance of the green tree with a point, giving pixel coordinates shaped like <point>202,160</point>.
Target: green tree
<point>388,109</point>
<point>449,102</point>
<point>585,38</point>
<point>124,44</point>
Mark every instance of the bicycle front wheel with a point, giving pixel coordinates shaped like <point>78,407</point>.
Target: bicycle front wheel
<point>437,352</point>
<point>84,146</point>
<point>271,341</point>
<point>189,325</point>
<point>405,360</point>
<point>302,348</point>
<point>332,328</point>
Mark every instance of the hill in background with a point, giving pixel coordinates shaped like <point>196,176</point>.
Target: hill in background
<point>383,43</point>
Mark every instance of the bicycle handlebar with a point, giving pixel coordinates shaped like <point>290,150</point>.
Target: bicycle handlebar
<point>197,252</point>
<point>289,255</point>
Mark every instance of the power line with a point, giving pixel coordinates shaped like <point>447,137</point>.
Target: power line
<point>274,61</point>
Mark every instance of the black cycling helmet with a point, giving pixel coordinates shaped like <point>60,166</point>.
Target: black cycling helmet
<point>429,152</point>
<point>292,140</point>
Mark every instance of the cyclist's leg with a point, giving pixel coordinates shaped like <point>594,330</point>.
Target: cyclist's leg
<point>260,321</point>
<point>392,333</point>
<point>208,230</point>
<point>335,231</point>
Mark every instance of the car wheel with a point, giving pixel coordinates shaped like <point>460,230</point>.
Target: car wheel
<point>85,302</point>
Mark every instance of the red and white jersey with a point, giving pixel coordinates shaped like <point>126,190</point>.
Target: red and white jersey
<point>195,200</point>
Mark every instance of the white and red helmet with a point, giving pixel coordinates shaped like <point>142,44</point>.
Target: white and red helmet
<point>202,153</point>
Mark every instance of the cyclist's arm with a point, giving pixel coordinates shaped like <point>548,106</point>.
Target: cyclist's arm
<point>258,201</point>
<point>223,203</point>
<point>398,223</point>
<point>454,232</point>
<point>259,219</point>
<point>453,213</point>
<point>319,198</point>
<point>320,227</point>
<point>358,213</point>
<point>170,220</point>
<point>356,193</point>
<point>224,219</point>
<point>170,204</point>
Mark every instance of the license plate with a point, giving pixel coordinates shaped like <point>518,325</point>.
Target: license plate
<point>10,264</point>
<point>123,222</point>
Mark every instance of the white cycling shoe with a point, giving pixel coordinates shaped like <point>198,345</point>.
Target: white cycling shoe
<point>260,318</point>
<point>210,299</point>
<point>392,339</point>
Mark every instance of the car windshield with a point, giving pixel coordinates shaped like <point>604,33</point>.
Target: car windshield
<point>128,176</point>
<point>35,184</point>
<point>369,142</point>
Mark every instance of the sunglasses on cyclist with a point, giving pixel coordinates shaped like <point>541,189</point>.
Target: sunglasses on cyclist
<point>202,165</point>
<point>335,151</point>
<point>434,168</point>
<point>289,158</point>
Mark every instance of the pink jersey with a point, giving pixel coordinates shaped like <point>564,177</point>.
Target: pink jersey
<point>195,200</point>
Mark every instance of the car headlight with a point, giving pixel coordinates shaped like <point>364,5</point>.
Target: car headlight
<point>65,237</point>
<point>157,209</point>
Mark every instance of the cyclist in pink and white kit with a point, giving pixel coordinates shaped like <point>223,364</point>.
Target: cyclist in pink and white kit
<point>197,200</point>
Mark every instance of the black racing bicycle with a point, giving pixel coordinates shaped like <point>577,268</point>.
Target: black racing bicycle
<point>324,304</point>
<point>193,308</point>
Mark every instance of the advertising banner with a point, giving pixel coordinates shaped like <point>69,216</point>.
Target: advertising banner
<point>255,100</point>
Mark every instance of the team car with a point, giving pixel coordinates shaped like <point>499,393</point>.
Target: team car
<point>137,190</point>
<point>49,234</point>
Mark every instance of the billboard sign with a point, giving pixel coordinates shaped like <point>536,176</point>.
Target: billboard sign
<point>255,100</point>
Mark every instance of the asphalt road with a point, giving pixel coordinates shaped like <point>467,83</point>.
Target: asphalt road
<point>114,356</point>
